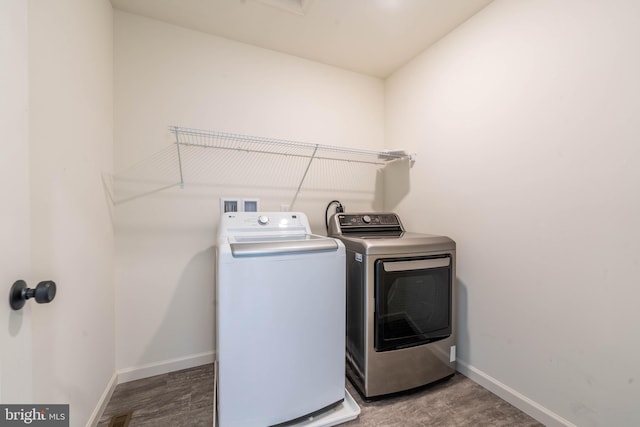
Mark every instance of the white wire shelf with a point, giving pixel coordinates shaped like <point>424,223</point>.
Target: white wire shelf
<point>228,159</point>
<point>254,144</point>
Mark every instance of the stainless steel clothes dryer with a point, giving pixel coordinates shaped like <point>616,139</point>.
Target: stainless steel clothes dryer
<point>401,331</point>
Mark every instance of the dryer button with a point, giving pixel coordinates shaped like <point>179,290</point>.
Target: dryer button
<point>263,220</point>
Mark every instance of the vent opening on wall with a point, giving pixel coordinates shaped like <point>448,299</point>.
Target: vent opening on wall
<point>121,420</point>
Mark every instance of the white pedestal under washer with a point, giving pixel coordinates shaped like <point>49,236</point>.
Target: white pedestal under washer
<point>280,322</point>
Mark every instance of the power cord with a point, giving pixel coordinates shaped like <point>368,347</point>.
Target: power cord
<point>339,209</point>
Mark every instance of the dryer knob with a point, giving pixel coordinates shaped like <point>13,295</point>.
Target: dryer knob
<point>263,220</point>
<point>366,219</point>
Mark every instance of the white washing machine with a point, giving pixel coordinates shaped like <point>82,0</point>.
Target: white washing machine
<point>280,323</point>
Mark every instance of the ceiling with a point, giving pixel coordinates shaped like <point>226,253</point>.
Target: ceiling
<point>373,37</point>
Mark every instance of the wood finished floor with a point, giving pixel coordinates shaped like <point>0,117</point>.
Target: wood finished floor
<point>185,398</point>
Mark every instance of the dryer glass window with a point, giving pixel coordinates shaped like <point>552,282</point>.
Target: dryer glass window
<point>413,301</point>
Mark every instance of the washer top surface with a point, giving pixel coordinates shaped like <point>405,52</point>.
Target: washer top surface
<point>251,234</point>
<point>383,233</point>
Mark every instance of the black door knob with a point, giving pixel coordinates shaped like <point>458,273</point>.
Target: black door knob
<point>44,293</point>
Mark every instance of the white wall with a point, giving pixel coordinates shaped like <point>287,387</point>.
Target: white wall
<point>166,75</point>
<point>70,146</point>
<point>525,120</point>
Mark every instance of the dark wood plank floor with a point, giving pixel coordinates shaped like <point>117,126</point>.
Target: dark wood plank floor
<point>185,398</point>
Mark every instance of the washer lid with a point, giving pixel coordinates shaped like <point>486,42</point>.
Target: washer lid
<point>277,244</point>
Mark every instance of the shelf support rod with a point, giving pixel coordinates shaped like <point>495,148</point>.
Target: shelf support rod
<point>179,158</point>
<point>313,156</point>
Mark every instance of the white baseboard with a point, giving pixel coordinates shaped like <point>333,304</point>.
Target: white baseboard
<point>149,370</point>
<point>520,401</point>
<point>104,400</point>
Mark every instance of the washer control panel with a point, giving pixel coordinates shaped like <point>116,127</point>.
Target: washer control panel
<point>241,223</point>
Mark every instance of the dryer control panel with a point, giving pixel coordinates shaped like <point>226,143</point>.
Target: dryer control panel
<point>367,222</point>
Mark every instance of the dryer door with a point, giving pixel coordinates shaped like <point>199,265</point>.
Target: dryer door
<point>412,300</point>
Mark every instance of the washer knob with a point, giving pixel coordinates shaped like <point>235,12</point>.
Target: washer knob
<point>366,219</point>
<point>263,220</point>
